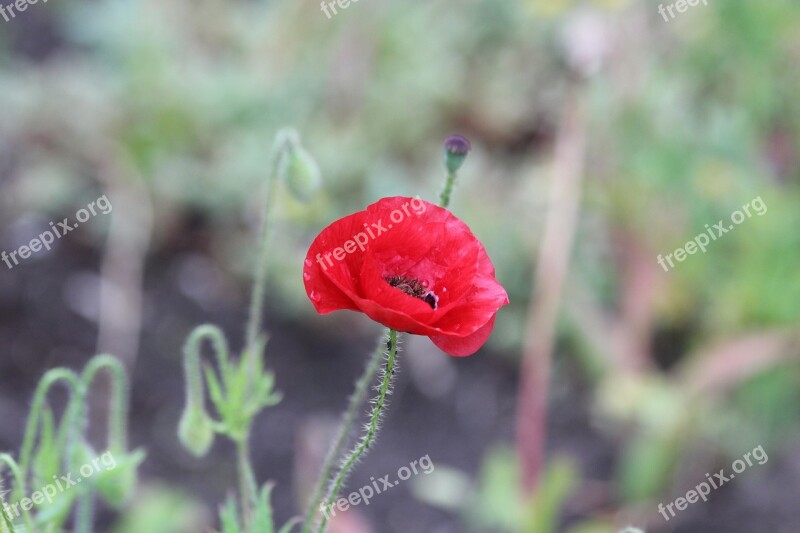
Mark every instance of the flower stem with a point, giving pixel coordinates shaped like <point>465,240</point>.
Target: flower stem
<point>19,479</point>
<point>260,273</point>
<point>118,416</point>
<point>444,197</point>
<point>356,400</point>
<point>372,430</point>
<point>84,513</point>
<point>48,380</point>
<point>195,391</point>
<point>247,479</point>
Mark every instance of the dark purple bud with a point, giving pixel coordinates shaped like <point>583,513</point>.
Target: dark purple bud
<point>457,144</point>
<point>456,148</point>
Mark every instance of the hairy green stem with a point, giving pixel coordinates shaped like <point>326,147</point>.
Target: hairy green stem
<point>248,491</point>
<point>50,378</point>
<point>282,141</point>
<point>444,197</point>
<point>118,415</point>
<point>247,483</point>
<point>84,513</point>
<point>356,400</point>
<point>260,272</point>
<point>6,526</point>
<point>195,390</point>
<point>19,479</point>
<point>372,430</point>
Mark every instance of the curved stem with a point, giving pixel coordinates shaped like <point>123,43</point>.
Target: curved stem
<point>195,391</point>
<point>356,400</point>
<point>118,415</point>
<point>31,429</point>
<point>19,479</point>
<point>372,430</point>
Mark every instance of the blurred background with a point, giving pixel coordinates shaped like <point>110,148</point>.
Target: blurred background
<point>603,135</point>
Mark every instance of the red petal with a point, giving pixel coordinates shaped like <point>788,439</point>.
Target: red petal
<point>464,346</point>
<point>320,266</point>
<point>481,303</point>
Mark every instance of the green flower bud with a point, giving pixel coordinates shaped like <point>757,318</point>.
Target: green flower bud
<point>301,172</point>
<point>82,454</point>
<point>196,430</point>
<point>116,481</point>
<point>456,149</point>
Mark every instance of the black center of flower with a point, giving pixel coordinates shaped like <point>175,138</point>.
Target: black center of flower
<point>414,288</point>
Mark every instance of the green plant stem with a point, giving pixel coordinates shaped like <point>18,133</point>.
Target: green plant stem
<point>247,479</point>
<point>31,429</point>
<point>195,390</point>
<point>118,415</point>
<point>356,400</point>
<point>19,479</point>
<point>282,140</point>
<point>260,272</point>
<point>247,484</point>
<point>84,513</point>
<point>372,430</point>
<point>444,197</point>
<point>6,526</point>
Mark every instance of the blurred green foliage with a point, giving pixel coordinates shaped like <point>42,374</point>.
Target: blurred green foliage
<point>688,121</point>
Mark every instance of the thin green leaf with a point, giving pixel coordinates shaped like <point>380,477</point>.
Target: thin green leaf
<point>263,520</point>
<point>229,517</point>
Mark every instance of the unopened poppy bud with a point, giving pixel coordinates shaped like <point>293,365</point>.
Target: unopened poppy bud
<point>82,454</point>
<point>456,149</point>
<point>301,172</point>
<point>117,478</point>
<point>196,430</point>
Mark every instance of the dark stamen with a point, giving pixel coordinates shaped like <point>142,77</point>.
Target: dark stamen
<point>414,288</point>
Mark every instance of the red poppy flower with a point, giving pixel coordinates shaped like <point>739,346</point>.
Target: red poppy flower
<point>413,267</point>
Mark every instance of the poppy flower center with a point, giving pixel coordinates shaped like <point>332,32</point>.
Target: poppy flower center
<point>415,288</point>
